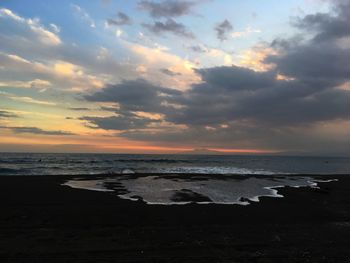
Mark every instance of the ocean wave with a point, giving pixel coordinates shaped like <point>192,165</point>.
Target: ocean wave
<point>211,170</point>
<point>58,170</point>
<point>145,160</point>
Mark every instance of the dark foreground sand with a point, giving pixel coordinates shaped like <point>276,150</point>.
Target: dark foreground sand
<point>41,221</point>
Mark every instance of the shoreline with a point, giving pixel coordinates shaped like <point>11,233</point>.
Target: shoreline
<point>42,221</point>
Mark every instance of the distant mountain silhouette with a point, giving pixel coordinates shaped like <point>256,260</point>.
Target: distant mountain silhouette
<point>203,151</point>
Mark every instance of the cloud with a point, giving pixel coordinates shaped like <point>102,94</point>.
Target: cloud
<point>50,148</point>
<point>26,31</point>
<point>242,94</point>
<point>26,99</point>
<point>248,30</point>
<point>167,8</point>
<point>255,57</point>
<point>199,48</point>
<point>55,28</point>
<point>83,15</point>
<point>322,59</point>
<point>76,68</point>
<point>134,95</point>
<point>67,75</point>
<point>299,104</point>
<point>120,20</point>
<point>69,67</point>
<point>34,130</point>
<point>290,95</point>
<point>313,139</point>
<point>7,114</point>
<point>79,109</point>
<point>327,26</point>
<point>29,48</point>
<point>169,26</point>
<point>120,122</point>
<point>223,29</point>
<point>169,72</point>
<point>152,59</point>
<point>138,101</point>
<point>40,84</point>
<point>31,100</point>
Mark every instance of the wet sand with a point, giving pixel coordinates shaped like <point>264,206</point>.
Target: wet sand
<point>42,221</point>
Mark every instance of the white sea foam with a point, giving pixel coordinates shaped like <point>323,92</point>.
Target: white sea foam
<point>93,185</point>
<point>127,171</point>
<point>162,190</point>
<point>324,181</point>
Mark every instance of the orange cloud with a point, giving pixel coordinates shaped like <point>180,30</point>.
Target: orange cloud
<point>154,59</point>
<point>254,58</point>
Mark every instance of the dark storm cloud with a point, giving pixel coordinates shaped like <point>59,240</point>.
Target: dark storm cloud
<point>169,72</point>
<point>238,107</point>
<point>169,26</point>
<point>328,26</point>
<point>233,107</point>
<point>34,130</point>
<point>227,94</point>
<point>135,95</point>
<point>6,114</point>
<point>325,59</point>
<point>167,8</point>
<point>120,20</point>
<point>235,78</point>
<point>324,64</point>
<point>131,96</point>
<point>223,29</point>
<point>235,93</point>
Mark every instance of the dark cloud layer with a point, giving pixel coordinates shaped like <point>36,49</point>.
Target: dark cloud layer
<point>120,20</point>
<point>132,96</point>
<point>169,26</point>
<point>34,130</point>
<point>323,60</point>
<point>167,8</point>
<point>121,122</point>
<point>6,114</point>
<point>328,26</point>
<point>239,107</point>
<point>79,109</point>
<point>222,29</point>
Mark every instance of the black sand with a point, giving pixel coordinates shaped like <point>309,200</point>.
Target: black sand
<point>41,221</point>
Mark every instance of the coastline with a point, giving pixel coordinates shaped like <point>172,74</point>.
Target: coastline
<point>42,221</point>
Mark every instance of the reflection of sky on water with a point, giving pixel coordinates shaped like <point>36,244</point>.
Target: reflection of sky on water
<point>163,190</point>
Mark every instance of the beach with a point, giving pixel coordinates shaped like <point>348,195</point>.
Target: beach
<point>43,221</point>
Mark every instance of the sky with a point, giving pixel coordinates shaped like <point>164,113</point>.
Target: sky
<point>167,76</point>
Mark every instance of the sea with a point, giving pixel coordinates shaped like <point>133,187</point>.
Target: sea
<point>179,179</point>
